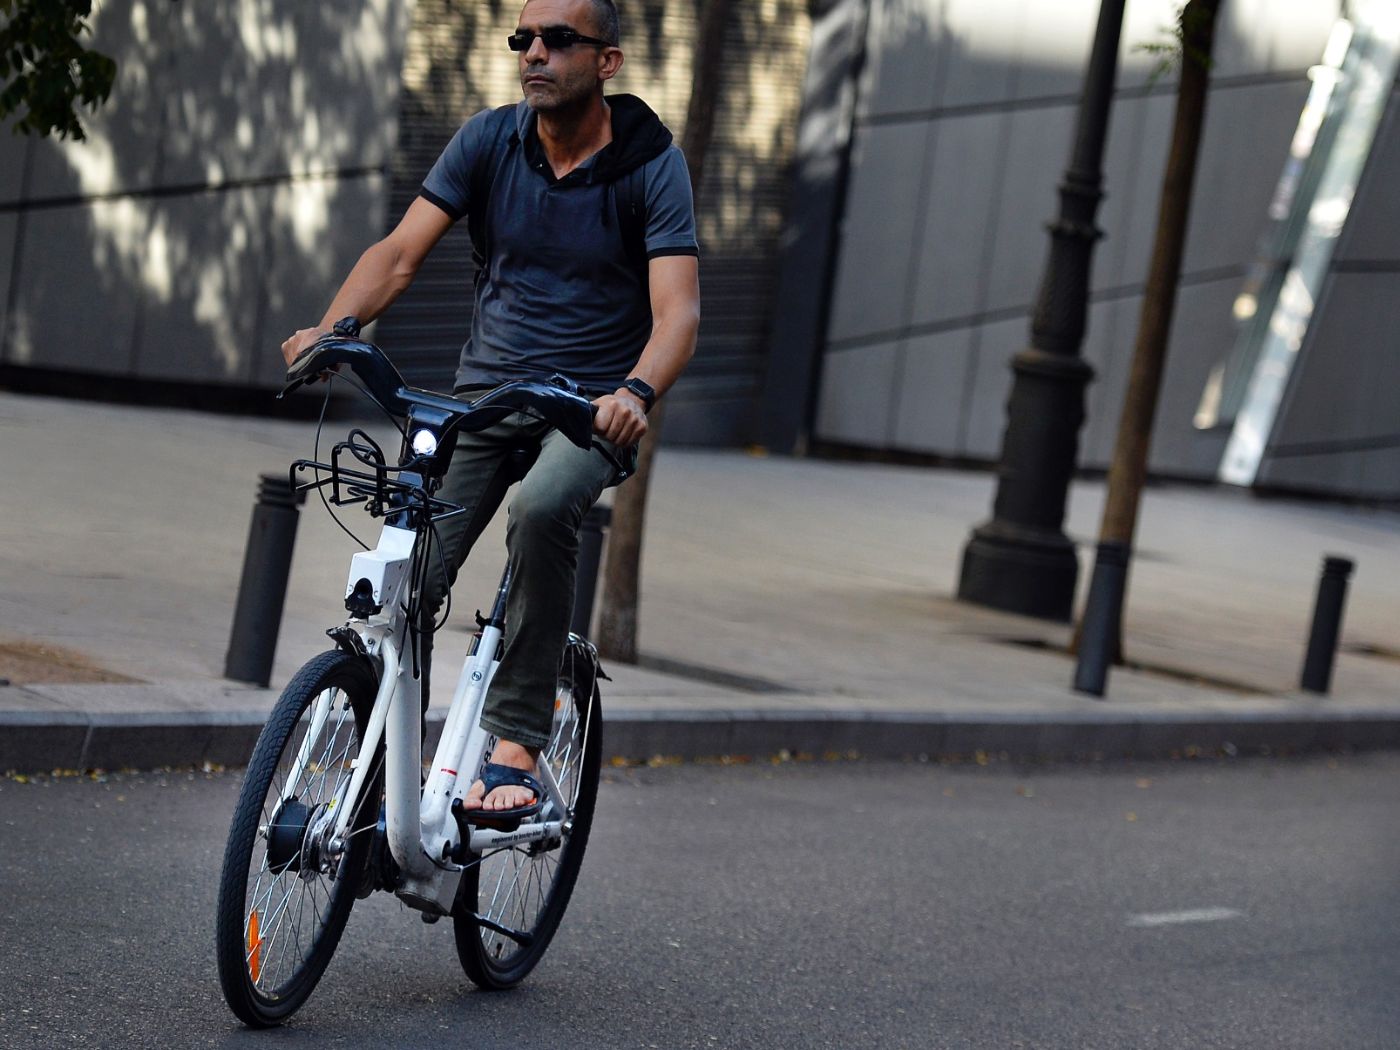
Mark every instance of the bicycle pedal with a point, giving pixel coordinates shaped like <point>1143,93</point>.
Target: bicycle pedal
<point>467,820</point>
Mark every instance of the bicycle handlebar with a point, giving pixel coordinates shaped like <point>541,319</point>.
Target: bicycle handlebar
<point>563,408</point>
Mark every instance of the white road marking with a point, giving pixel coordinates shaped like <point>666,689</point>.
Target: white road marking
<point>1178,918</point>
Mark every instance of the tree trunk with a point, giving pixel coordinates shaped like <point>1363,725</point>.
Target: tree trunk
<point>617,620</point>
<point>1128,471</point>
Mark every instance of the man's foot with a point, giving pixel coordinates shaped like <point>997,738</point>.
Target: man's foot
<point>507,796</point>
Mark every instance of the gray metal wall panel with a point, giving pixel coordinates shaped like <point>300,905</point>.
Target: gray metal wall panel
<point>297,279</point>
<point>988,386</point>
<point>1271,36</point>
<point>1035,159</point>
<point>51,326</point>
<point>1108,345</point>
<point>1380,472</point>
<point>932,371</point>
<point>1344,394</point>
<point>1133,168</point>
<point>978,43</point>
<point>12,162</point>
<point>1201,328</point>
<point>1375,235</point>
<point>905,62</point>
<point>9,235</point>
<point>878,235</point>
<point>856,389</point>
<point>1054,45</point>
<point>951,249</point>
<point>237,75</point>
<point>1202,323</point>
<point>1243,152</point>
<point>194,287</point>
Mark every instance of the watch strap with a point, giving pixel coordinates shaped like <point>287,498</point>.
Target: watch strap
<point>643,390</point>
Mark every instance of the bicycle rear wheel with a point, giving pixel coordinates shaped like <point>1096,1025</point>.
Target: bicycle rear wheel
<point>527,888</point>
<point>283,899</point>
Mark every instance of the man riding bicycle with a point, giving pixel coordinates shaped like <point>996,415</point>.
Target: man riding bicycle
<point>581,214</point>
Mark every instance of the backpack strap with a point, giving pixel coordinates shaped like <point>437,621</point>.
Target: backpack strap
<point>499,143</point>
<point>630,192</point>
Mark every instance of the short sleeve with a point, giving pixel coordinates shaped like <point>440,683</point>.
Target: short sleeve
<point>670,206</point>
<point>447,184</point>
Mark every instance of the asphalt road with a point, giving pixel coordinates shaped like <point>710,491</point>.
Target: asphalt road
<point>1199,904</point>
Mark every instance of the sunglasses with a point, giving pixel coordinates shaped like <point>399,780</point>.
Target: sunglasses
<point>555,38</point>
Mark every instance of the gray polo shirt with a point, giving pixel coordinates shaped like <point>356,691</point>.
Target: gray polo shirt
<point>558,293</point>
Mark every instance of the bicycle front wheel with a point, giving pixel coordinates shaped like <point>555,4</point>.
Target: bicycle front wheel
<point>526,889</point>
<point>284,896</point>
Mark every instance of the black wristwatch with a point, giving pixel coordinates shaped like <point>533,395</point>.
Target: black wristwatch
<point>643,390</point>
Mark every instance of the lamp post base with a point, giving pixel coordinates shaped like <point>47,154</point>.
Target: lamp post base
<point>1020,570</point>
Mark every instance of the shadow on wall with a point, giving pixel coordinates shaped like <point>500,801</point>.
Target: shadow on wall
<point>237,171</point>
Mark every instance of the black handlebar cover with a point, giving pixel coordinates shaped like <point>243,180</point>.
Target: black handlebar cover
<point>568,412</point>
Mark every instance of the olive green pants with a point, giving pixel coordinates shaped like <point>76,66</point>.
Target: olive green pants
<point>542,547</point>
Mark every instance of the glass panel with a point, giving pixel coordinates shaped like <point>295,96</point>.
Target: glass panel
<point>1310,207</point>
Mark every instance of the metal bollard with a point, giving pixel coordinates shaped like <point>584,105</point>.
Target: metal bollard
<point>1103,617</point>
<point>262,591</point>
<point>590,556</point>
<point>1326,623</point>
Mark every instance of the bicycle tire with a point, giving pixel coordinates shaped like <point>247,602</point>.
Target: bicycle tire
<point>271,953</point>
<point>525,888</point>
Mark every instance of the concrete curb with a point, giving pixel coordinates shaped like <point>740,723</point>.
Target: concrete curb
<point>42,741</point>
<point>1028,736</point>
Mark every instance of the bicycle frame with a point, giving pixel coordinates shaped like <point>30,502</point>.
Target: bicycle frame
<point>423,834</point>
<point>309,835</point>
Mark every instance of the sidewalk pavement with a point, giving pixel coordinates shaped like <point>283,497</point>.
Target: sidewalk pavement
<point>788,605</point>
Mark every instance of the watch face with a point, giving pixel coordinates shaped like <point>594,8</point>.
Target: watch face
<point>642,389</point>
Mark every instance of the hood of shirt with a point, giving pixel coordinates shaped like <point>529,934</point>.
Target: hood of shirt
<point>638,137</point>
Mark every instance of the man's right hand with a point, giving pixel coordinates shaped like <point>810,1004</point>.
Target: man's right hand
<point>292,348</point>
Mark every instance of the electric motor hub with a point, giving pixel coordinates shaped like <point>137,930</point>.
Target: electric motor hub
<point>286,832</point>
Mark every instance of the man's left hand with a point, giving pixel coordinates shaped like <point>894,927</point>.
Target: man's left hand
<point>621,418</point>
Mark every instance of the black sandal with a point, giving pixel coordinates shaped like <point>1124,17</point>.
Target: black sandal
<point>493,776</point>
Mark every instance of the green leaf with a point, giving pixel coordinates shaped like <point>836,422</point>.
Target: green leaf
<point>45,72</point>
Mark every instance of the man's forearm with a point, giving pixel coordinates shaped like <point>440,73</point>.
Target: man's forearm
<point>621,416</point>
<point>668,351</point>
<point>375,282</point>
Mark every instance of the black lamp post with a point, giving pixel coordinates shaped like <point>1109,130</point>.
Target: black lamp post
<point>1021,560</point>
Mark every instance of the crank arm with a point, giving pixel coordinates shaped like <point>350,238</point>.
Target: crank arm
<point>486,840</point>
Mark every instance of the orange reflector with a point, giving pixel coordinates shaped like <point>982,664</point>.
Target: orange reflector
<point>254,947</point>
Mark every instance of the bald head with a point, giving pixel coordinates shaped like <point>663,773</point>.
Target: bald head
<point>601,16</point>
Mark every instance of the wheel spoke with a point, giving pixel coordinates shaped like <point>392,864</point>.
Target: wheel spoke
<point>515,887</point>
<point>305,755</point>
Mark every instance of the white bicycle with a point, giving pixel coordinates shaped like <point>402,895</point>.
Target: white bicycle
<point>335,803</point>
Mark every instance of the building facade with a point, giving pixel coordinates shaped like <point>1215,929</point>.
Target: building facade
<point>252,149</point>
<point>871,219</point>
<point>220,191</point>
<point>935,133</point>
